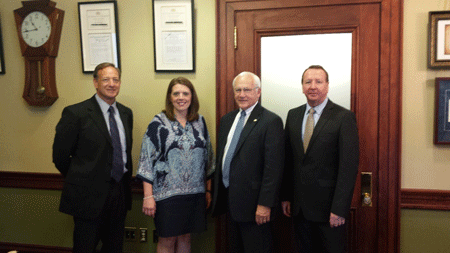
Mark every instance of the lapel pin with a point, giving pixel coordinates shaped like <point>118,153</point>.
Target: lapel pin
<point>255,120</point>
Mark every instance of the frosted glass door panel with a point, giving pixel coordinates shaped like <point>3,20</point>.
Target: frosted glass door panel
<point>284,58</point>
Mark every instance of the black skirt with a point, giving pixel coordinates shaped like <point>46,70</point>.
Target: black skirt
<point>181,215</point>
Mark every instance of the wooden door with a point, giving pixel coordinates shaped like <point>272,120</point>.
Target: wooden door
<point>374,95</point>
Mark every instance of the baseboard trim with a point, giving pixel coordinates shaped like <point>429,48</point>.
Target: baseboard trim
<point>30,248</point>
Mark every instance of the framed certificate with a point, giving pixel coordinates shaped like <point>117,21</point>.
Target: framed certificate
<point>2,59</point>
<point>439,40</point>
<point>173,35</point>
<point>442,112</point>
<point>98,34</point>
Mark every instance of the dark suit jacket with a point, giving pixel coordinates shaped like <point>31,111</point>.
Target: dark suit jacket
<point>256,168</point>
<point>321,180</point>
<point>82,152</point>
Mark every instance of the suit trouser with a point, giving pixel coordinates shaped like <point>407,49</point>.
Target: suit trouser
<point>108,227</point>
<point>248,237</point>
<point>318,237</point>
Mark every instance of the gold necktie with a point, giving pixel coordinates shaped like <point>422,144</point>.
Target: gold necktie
<point>309,127</point>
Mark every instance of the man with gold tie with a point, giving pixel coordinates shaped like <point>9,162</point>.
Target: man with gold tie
<point>322,154</point>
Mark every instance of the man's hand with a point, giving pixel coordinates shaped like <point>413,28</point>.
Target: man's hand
<point>208,199</point>
<point>286,206</point>
<point>262,214</point>
<point>336,221</point>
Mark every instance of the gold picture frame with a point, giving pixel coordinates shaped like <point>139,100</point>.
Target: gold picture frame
<point>439,40</point>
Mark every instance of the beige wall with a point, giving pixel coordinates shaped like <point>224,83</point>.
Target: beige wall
<point>424,165</point>
<point>27,132</point>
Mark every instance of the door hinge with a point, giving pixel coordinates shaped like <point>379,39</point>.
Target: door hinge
<point>235,37</point>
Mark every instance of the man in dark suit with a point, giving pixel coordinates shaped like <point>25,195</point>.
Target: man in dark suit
<point>92,150</point>
<point>320,168</point>
<point>249,167</point>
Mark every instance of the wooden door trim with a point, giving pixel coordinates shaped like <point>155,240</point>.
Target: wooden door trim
<point>390,125</point>
<point>389,104</point>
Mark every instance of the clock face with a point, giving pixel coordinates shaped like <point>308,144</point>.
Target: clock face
<point>36,29</point>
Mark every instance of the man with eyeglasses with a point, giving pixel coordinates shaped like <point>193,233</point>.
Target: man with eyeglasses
<point>249,168</point>
<point>92,150</point>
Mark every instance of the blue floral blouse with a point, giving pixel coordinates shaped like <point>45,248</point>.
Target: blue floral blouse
<point>175,160</point>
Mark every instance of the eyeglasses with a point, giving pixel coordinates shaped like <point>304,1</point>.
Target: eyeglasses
<point>245,90</point>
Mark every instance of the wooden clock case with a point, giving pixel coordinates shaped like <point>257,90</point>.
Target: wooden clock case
<point>40,79</point>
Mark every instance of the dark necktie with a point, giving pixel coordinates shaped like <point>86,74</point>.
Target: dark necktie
<point>309,127</point>
<point>231,149</point>
<point>117,163</point>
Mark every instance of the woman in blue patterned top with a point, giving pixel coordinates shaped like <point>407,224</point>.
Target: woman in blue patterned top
<point>175,165</point>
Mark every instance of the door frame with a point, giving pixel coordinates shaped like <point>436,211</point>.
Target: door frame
<point>389,119</point>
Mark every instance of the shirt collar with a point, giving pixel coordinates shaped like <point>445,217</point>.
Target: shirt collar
<point>103,105</point>
<point>249,110</point>
<point>317,109</point>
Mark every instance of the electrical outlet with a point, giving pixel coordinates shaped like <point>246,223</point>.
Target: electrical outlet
<point>130,234</point>
<point>143,234</point>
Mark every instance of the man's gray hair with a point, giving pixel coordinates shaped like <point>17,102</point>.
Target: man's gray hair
<point>256,80</point>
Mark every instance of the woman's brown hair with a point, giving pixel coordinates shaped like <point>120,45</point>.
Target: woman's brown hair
<point>193,108</point>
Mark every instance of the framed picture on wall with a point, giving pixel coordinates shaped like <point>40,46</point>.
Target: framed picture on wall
<point>2,59</point>
<point>99,34</point>
<point>442,112</point>
<point>439,39</point>
<point>173,28</point>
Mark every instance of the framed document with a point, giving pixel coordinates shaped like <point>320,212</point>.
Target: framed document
<point>442,112</point>
<point>98,34</point>
<point>173,35</point>
<point>2,59</point>
<point>439,39</point>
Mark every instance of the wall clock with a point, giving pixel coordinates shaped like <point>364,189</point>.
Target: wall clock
<point>39,26</point>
